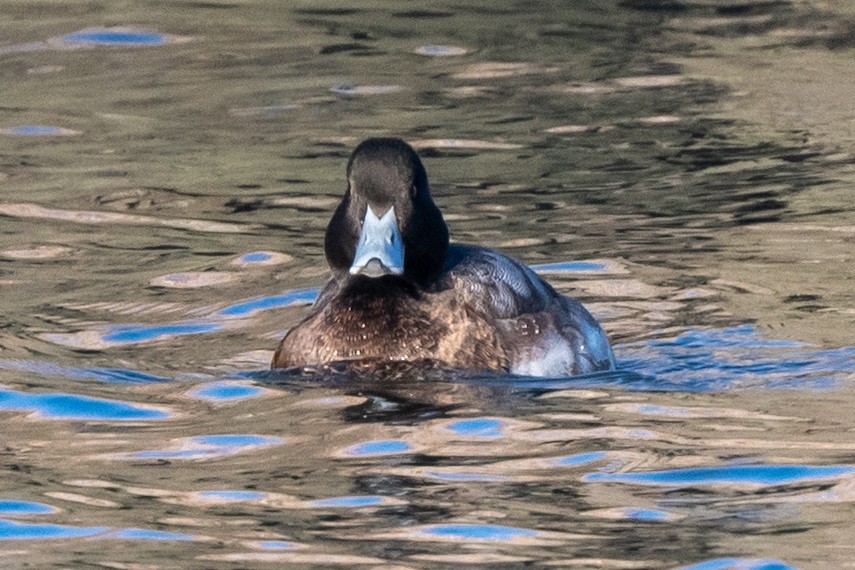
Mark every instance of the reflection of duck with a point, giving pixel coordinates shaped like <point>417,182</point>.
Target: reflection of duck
<point>400,291</point>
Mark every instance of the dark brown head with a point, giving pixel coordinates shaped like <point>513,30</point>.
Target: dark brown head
<point>386,223</point>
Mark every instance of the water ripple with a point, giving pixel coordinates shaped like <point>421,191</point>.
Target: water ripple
<point>115,37</point>
<point>446,475</point>
<point>352,502</point>
<point>88,217</point>
<point>102,338</point>
<point>738,564</point>
<point>736,357</point>
<point>230,496</point>
<point>71,407</point>
<point>580,459</point>
<point>477,427</point>
<point>357,90</point>
<point>274,545</point>
<point>381,447</point>
<point>755,475</point>
<point>433,50</point>
<point>10,530</point>
<point>118,36</point>
<point>131,334</point>
<point>13,530</point>
<point>202,447</point>
<point>226,391</point>
<point>583,267</point>
<point>148,534</point>
<point>110,375</point>
<point>477,532</point>
<point>287,299</point>
<point>11,508</point>
<point>262,258</point>
<point>37,131</point>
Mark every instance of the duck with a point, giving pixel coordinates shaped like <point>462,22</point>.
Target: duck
<point>401,292</point>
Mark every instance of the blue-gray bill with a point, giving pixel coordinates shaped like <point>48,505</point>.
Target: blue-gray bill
<point>379,250</point>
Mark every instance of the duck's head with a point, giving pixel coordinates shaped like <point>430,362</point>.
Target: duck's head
<point>386,223</point>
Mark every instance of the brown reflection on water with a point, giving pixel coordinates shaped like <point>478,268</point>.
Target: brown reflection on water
<point>692,159</point>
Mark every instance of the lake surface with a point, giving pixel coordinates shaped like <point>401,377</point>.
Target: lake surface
<point>684,167</point>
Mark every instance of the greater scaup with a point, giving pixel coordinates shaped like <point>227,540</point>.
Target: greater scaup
<point>400,292</point>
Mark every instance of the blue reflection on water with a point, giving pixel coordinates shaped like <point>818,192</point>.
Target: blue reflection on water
<point>735,474</point>
<point>111,375</point>
<point>569,266</point>
<point>93,37</point>
<point>12,508</point>
<point>298,297</point>
<point>122,375</point>
<point>136,333</point>
<point>146,534</point>
<point>440,50</point>
<point>380,447</point>
<point>233,496</point>
<point>580,459</point>
<point>739,564</point>
<point>348,502</point>
<point>226,391</point>
<point>208,446</point>
<point>34,131</point>
<point>68,406</point>
<point>274,545</point>
<point>477,427</point>
<point>115,37</point>
<point>255,257</point>
<point>492,533</point>
<point>646,514</point>
<point>235,440</point>
<point>142,333</point>
<point>10,530</point>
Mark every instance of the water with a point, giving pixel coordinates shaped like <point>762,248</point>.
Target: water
<point>167,172</point>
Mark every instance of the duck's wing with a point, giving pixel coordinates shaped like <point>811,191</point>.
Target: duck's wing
<point>543,332</point>
<point>494,284</point>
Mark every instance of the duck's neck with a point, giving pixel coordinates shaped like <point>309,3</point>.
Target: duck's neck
<point>358,288</point>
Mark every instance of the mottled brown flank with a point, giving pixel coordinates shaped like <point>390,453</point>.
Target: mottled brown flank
<point>390,322</point>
